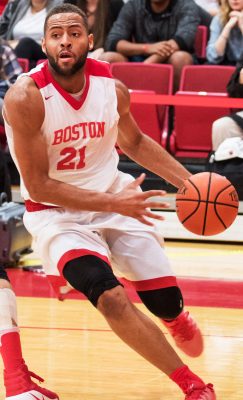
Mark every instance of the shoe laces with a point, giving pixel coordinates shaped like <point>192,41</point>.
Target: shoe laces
<point>21,378</point>
<point>33,375</point>
<point>183,327</point>
<point>192,392</point>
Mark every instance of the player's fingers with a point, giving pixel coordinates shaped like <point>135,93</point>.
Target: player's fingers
<point>156,204</point>
<point>150,214</point>
<point>145,221</point>
<point>137,182</point>
<point>152,193</point>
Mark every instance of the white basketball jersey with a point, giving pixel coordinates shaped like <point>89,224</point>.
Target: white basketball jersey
<point>80,134</point>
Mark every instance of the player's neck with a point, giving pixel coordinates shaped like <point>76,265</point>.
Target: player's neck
<point>71,84</point>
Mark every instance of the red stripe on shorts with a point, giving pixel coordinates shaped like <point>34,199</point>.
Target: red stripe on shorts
<point>75,253</point>
<point>31,206</point>
<point>155,283</point>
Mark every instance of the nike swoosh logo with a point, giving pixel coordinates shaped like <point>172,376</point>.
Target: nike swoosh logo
<point>48,97</point>
<point>37,398</point>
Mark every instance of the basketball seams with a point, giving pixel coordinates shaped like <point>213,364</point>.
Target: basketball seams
<point>195,187</point>
<point>209,202</point>
<point>219,218</point>
<point>216,203</point>
<point>207,199</point>
<point>198,202</point>
<point>222,190</point>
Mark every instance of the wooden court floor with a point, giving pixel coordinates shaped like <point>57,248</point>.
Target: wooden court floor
<point>72,347</point>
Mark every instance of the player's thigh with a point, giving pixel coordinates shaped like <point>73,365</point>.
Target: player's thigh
<point>59,240</point>
<point>138,255</point>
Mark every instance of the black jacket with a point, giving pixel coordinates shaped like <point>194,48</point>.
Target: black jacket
<point>234,88</point>
<point>137,22</point>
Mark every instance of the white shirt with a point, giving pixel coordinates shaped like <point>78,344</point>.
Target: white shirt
<point>31,25</point>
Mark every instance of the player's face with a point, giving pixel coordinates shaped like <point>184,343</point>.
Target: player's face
<point>66,43</point>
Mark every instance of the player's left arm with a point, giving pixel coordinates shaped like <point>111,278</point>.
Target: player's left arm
<point>141,148</point>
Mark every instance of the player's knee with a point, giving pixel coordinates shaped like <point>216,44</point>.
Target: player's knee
<point>113,303</point>
<point>91,276</point>
<point>166,303</point>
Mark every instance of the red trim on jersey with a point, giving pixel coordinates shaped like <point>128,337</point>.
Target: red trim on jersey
<point>155,283</point>
<point>31,206</point>
<point>39,76</point>
<point>76,104</point>
<point>75,253</point>
<point>98,68</point>
<point>92,68</point>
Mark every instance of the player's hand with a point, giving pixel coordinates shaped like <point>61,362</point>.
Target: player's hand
<point>136,204</point>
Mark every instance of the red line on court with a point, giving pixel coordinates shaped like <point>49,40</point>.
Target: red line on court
<point>196,291</point>
<point>45,328</point>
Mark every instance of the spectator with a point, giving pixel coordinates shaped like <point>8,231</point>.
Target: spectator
<point>232,125</point>
<point>226,34</point>
<point>101,16</point>
<point>154,31</point>
<point>22,25</point>
<point>9,71</point>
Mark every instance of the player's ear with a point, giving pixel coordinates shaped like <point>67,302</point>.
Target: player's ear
<point>91,41</point>
<point>43,45</point>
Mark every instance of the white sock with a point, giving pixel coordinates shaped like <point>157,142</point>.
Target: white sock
<point>8,310</point>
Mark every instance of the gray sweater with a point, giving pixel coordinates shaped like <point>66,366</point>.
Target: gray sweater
<point>137,22</point>
<point>14,12</point>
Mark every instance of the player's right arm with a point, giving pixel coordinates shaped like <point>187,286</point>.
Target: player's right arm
<point>24,112</point>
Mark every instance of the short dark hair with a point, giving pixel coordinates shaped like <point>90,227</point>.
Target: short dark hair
<point>64,9</point>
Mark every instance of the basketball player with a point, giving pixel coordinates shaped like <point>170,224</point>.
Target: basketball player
<point>62,121</point>
<point>17,377</point>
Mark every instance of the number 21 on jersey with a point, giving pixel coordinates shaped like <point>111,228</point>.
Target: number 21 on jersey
<point>72,158</point>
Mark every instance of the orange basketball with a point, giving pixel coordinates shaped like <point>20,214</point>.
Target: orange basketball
<point>207,203</point>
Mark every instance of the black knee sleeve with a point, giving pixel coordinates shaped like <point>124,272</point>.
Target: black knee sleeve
<point>166,303</point>
<point>91,276</point>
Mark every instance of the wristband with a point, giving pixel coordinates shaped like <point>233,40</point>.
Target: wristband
<point>145,48</point>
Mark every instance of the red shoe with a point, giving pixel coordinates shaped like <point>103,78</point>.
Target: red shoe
<point>205,392</point>
<point>186,334</point>
<point>19,386</point>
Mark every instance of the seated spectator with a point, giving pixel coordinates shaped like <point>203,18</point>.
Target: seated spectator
<point>101,16</point>
<point>225,44</point>
<point>232,125</point>
<point>154,31</point>
<point>9,71</point>
<point>21,24</point>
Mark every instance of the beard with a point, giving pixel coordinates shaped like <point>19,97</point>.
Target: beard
<point>72,70</point>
